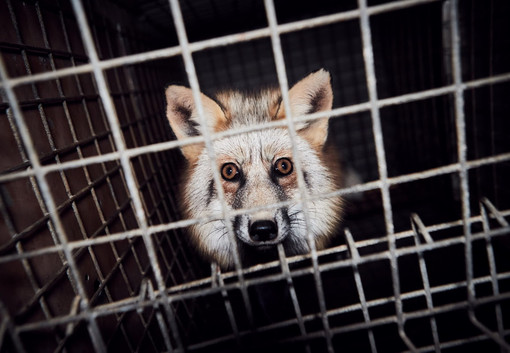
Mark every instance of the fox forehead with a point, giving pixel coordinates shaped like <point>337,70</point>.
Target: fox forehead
<point>249,108</point>
<point>264,146</point>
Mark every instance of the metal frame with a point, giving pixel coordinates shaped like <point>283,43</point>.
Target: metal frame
<point>161,299</point>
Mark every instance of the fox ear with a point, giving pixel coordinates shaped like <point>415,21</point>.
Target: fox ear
<point>183,117</point>
<point>311,95</point>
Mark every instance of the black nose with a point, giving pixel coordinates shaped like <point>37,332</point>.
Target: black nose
<point>261,231</point>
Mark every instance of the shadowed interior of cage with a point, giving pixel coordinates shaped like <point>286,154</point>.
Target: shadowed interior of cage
<point>93,249</point>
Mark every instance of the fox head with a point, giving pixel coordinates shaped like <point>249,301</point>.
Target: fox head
<point>257,169</point>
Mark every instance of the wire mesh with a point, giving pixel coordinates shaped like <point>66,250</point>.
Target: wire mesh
<point>93,247</point>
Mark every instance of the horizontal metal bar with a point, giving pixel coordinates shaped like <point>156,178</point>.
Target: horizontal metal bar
<point>186,223</point>
<point>457,342</point>
<point>60,208</point>
<point>34,103</point>
<point>205,283</point>
<point>338,112</point>
<point>62,271</point>
<point>131,304</point>
<point>212,43</point>
<point>206,287</point>
<point>15,47</point>
<point>425,313</point>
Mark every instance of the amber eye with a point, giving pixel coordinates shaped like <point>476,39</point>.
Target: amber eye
<point>283,167</point>
<point>230,172</point>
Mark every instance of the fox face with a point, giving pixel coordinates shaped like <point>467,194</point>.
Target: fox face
<point>258,170</point>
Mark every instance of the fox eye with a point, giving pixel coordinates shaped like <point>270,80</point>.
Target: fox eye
<point>230,172</point>
<point>283,167</point>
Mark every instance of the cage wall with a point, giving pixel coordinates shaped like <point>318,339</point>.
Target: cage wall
<point>94,251</point>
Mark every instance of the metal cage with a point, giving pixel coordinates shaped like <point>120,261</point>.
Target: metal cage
<point>93,247</point>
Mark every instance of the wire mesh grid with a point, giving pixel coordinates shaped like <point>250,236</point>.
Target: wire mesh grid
<point>93,253</point>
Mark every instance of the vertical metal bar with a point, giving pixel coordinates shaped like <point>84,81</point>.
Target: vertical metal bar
<point>147,291</point>
<point>216,273</point>
<point>491,104</point>
<point>98,151</point>
<point>419,228</point>
<point>460,125</point>
<point>166,167</point>
<point>7,325</point>
<point>10,226</point>
<point>485,203</point>
<point>355,258</point>
<point>138,117</point>
<point>50,203</point>
<point>89,180</point>
<point>368,57</point>
<point>295,303</point>
<point>124,159</point>
<point>54,227</point>
<point>57,158</point>
<point>284,87</point>
<point>193,80</point>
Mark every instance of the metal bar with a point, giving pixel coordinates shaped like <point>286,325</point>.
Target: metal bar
<point>147,290</point>
<point>486,204</point>
<point>36,189</point>
<point>62,174</point>
<point>291,128</point>
<point>7,326</point>
<point>368,57</point>
<point>155,229</point>
<point>214,42</point>
<point>216,273</point>
<point>129,72</point>
<point>50,203</point>
<point>419,229</point>
<point>292,290</point>
<point>134,304</point>
<point>121,147</point>
<point>355,257</point>
<point>460,125</point>
<point>51,282</point>
<point>25,263</point>
<point>193,80</point>
<point>492,265</point>
<point>391,319</point>
<point>119,208</point>
<point>411,97</point>
<point>458,342</point>
<point>138,117</point>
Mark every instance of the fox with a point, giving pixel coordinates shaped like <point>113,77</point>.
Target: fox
<point>257,168</point>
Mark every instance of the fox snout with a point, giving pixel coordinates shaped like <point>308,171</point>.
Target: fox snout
<point>259,235</point>
<point>263,231</point>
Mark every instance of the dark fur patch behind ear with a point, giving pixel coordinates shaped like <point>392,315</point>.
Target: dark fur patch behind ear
<point>183,111</point>
<point>278,105</point>
<point>193,128</point>
<point>185,114</point>
<point>316,100</point>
